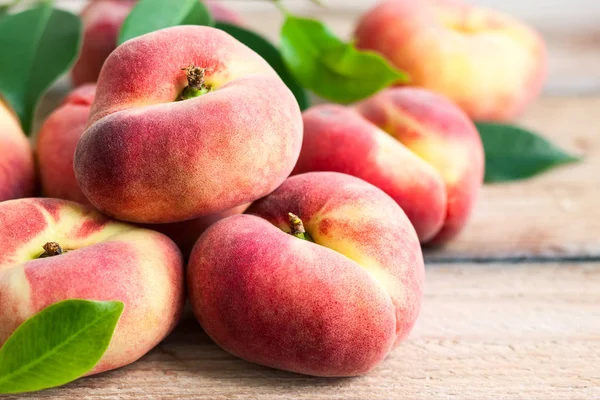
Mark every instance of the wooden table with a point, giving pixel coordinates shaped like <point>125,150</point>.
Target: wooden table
<point>511,311</point>
<point>501,331</point>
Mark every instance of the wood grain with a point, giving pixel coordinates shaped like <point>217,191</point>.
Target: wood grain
<point>486,332</point>
<point>550,216</point>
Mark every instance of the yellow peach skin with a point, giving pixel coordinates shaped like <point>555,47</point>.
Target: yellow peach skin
<point>490,64</point>
<point>334,305</point>
<point>103,260</point>
<point>17,171</point>
<point>146,157</point>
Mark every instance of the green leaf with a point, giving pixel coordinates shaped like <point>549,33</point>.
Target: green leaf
<point>334,70</point>
<point>513,153</point>
<point>58,345</point>
<point>151,15</point>
<point>270,53</point>
<point>38,45</point>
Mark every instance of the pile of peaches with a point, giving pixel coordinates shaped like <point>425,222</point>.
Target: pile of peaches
<point>188,170</point>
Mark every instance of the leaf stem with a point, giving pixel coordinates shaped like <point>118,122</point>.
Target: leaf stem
<point>281,7</point>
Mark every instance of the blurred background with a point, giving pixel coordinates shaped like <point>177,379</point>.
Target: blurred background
<point>571,29</point>
<point>541,13</point>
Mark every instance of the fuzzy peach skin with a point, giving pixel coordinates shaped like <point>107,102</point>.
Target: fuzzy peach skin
<point>146,157</point>
<point>17,170</point>
<point>492,65</point>
<point>56,145</point>
<point>102,21</point>
<point>335,307</point>
<point>105,260</point>
<point>415,145</point>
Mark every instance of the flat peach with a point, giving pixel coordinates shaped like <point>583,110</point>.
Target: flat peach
<point>148,158</point>
<point>490,64</point>
<point>332,306</point>
<point>416,146</point>
<point>56,145</point>
<point>437,131</point>
<point>103,260</point>
<point>339,139</point>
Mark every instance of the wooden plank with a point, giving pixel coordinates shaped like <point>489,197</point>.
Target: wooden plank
<point>486,332</point>
<point>554,215</point>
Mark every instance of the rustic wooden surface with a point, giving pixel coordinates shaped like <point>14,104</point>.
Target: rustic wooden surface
<point>486,332</point>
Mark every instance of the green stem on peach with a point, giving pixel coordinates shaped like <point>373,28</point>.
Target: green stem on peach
<point>297,228</point>
<point>196,85</point>
<point>51,249</point>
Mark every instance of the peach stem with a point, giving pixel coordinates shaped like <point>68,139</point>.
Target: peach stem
<point>51,249</point>
<point>297,228</point>
<point>196,84</point>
